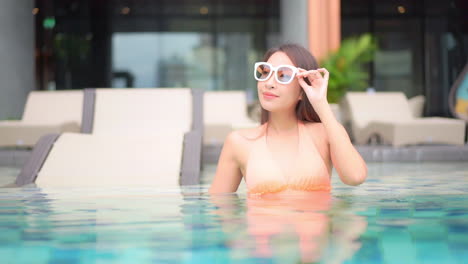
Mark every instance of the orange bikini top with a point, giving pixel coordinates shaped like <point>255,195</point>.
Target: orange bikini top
<point>308,172</point>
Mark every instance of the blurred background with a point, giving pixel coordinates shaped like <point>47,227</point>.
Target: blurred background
<point>414,203</point>
<point>212,44</point>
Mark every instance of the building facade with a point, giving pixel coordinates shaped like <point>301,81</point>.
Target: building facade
<point>212,44</point>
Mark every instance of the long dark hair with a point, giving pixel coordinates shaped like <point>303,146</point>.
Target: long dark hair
<point>301,58</point>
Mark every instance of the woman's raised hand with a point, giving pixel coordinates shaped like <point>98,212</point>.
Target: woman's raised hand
<point>317,90</point>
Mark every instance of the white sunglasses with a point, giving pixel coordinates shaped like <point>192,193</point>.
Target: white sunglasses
<point>284,73</point>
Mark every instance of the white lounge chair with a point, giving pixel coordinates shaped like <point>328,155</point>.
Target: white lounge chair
<point>44,112</point>
<point>416,105</point>
<point>387,117</point>
<point>138,137</point>
<point>224,111</point>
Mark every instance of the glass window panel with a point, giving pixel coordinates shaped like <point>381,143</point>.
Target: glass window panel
<point>164,59</point>
<point>395,7</point>
<point>355,7</point>
<point>187,25</point>
<point>398,63</point>
<point>154,43</point>
<point>354,26</point>
<point>187,7</point>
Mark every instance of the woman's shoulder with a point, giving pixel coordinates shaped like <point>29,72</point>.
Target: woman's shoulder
<point>317,128</point>
<point>314,125</point>
<point>246,135</point>
<point>239,142</point>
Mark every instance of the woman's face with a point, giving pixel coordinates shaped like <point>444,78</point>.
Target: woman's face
<point>277,97</point>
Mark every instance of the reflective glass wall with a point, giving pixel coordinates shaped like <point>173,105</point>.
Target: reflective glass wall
<point>423,45</point>
<point>208,44</point>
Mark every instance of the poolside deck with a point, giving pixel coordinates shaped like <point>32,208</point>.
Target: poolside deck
<point>383,153</point>
<point>371,153</point>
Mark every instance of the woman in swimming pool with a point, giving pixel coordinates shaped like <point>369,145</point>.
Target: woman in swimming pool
<point>299,141</point>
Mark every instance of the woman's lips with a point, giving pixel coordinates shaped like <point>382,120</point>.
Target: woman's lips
<point>269,95</point>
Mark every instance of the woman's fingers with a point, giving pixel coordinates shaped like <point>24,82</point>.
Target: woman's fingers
<point>303,83</point>
<point>326,73</point>
<point>313,73</point>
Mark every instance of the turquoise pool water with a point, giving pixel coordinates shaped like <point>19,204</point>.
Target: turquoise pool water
<point>404,213</point>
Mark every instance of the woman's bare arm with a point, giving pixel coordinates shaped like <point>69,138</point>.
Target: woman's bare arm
<point>228,174</point>
<point>347,161</point>
<point>345,158</point>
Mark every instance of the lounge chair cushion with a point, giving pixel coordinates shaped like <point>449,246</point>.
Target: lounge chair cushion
<point>19,134</point>
<point>416,104</point>
<point>225,111</point>
<point>388,115</point>
<point>126,112</point>
<point>432,130</point>
<point>53,107</point>
<point>45,112</point>
<point>79,160</point>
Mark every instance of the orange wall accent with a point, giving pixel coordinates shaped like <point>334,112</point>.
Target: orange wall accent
<point>324,26</point>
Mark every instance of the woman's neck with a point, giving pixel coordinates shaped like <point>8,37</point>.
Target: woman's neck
<point>282,122</point>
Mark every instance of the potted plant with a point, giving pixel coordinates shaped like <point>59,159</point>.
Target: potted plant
<point>347,67</point>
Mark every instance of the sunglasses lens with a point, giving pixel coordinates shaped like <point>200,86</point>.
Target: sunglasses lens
<point>285,74</point>
<point>262,72</point>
